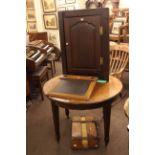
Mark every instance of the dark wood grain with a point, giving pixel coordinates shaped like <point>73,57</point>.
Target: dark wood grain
<point>55,110</point>
<point>106,119</point>
<point>67,113</point>
<point>102,97</point>
<point>38,36</point>
<point>82,44</point>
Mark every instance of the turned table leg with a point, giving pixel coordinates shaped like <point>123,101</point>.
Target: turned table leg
<point>106,119</point>
<point>55,110</point>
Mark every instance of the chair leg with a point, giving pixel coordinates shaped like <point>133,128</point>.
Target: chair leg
<point>41,91</point>
<point>54,66</point>
<point>51,68</point>
<point>47,76</point>
<point>121,95</point>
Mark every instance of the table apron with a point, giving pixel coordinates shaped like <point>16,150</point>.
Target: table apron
<point>82,106</point>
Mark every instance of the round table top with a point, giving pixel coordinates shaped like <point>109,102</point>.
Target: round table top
<point>101,92</point>
<point>126,107</point>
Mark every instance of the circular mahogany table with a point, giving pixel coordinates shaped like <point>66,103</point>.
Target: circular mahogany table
<point>101,97</point>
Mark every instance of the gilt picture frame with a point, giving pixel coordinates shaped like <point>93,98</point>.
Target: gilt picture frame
<point>48,6</point>
<point>30,15</point>
<point>115,27</point>
<point>29,4</point>
<point>52,37</point>
<point>31,27</point>
<point>50,21</point>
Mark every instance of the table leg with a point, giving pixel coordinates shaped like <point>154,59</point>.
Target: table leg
<point>67,113</point>
<point>55,110</point>
<point>106,118</point>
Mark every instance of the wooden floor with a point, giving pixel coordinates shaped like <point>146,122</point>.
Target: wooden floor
<point>40,131</point>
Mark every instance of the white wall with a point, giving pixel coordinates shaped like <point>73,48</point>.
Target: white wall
<point>124,4</point>
<point>39,12</point>
<point>80,4</point>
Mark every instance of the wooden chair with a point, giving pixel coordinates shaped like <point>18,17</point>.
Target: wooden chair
<point>126,110</point>
<point>52,58</point>
<point>119,57</point>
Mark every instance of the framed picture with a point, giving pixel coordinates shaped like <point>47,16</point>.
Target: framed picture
<point>30,15</point>
<point>115,27</point>
<point>121,19</point>
<point>31,27</point>
<point>49,5</point>
<point>50,21</point>
<point>52,37</point>
<point>61,8</point>
<point>61,2</point>
<point>70,1</point>
<point>72,7</point>
<point>29,4</point>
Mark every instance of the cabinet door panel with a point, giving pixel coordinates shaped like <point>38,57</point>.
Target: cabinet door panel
<point>84,36</point>
<point>82,44</point>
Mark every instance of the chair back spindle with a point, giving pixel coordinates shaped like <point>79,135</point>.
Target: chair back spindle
<point>119,57</point>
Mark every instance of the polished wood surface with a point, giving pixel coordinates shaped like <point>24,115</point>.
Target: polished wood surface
<point>101,92</point>
<point>38,76</point>
<point>28,92</point>
<point>84,36</point>
<point>70,91</point>
<point>126,108</point>
<point>34,60</point>
<point>84,132</point>
<point>102,97</point>
<point>86,47</point>
<point>38,36</point>
<point>51,54</point>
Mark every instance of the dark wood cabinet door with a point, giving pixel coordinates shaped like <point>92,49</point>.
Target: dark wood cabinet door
<point>83,43</point>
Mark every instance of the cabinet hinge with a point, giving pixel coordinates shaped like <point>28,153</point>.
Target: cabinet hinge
<point>101,30</point>
<point>101,60</point>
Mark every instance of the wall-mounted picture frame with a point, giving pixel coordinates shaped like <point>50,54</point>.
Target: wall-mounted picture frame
<point>71,7</point>
<point>52,37</point>
<point>50,21</point>
<point>29,4</point>
<point>31,27</point>
<point>30,15</point>
<point>61,2</point>
<point>115,27</point>
<point>61,8</point>
<point>70,1</point>
<point>49,5</point>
